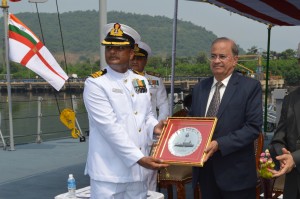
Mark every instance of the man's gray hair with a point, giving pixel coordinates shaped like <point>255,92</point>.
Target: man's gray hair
<point>234,48</point>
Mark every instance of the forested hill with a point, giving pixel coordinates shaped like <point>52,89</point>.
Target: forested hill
<point>80,30</point>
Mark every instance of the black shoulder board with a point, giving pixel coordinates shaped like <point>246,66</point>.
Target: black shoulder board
<point>98,73</point>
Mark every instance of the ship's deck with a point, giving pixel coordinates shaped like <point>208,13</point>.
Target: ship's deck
<point>40,171</point>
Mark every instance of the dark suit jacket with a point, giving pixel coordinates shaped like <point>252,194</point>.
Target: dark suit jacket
<point>239,124</point>
<point>287,135</point>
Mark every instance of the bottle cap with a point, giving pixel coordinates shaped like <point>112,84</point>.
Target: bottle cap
<point>70,175</point>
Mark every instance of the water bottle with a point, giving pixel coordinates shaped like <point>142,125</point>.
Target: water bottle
<point>71,186</point>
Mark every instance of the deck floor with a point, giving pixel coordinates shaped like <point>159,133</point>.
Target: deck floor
<point>40,171</point>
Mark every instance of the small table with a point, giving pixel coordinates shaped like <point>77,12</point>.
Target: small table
<point>84,193</point>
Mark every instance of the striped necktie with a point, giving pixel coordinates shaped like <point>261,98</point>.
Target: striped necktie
<point>215,101</point>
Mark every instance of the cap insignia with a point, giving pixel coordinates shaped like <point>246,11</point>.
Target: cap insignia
<point>138,51</point>
<point>116,30</point>
<point>136,48</point>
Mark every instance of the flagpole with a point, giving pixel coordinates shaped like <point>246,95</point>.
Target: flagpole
<point>173,55</point>
<point>5,17</point>
<point>102,22</point>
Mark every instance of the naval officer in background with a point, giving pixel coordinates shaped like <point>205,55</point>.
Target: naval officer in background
<point>121,122</point>
<point>159,99</point>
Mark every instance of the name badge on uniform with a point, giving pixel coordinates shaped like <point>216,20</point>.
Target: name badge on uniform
<point>116,90</point>
<point>139,86</point>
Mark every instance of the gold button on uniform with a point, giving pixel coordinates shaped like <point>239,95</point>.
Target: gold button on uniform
<point>140,129</point>
<point>135,112</point>
<point>125,80</point>
<point>132,95</point>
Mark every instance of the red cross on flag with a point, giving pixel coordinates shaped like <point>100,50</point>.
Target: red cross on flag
<point>25,48</point>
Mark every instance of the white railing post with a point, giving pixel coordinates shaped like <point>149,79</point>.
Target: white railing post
<point>39,118</point>
<point>3,141</point>
<point>77,123</point>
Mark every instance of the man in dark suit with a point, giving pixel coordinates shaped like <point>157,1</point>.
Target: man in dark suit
<point>229,170</point>
<point>285,145</point>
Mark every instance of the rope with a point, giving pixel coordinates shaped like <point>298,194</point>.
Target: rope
<point>37,10</point>
<point>63,46</point>
<point>42,35</point>
<point>63,117</point>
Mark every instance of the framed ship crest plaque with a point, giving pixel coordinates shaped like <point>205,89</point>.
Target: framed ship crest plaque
<point>184,139</point>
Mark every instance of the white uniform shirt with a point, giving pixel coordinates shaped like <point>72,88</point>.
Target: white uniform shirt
<point>121,125</point>
<point>159,97</point>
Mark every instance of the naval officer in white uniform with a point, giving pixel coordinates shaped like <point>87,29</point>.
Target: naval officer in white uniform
<point>159,99</point>
<point>121,122</point>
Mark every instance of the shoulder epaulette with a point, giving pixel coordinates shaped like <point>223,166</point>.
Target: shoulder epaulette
<point>98,73</point>
<point>153,74</point>
<point>139,73</point>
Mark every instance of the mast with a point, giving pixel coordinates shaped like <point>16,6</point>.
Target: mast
<point>173,55</point>
<point>102,22</point>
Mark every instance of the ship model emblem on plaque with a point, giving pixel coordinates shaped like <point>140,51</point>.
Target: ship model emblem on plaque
<point>184,140</point>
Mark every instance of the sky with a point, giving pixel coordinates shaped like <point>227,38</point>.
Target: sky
<point>245,32</point>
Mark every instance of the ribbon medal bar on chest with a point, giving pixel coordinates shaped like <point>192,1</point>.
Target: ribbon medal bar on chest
<point>139,86</point>
<point>153,83</point>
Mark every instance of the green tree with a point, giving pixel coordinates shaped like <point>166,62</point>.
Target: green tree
<point>201,58</point>
<point>288,54</point>
<point>252,50</point>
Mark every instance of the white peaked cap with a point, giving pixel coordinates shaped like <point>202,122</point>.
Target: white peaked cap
<point>144,46</point>
<point>120,34</point>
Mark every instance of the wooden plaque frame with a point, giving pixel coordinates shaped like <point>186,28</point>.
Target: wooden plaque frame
<point>184,139</point>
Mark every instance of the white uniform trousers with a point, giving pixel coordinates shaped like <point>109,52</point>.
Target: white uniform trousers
<point>108,190</point>
<point>152,180</point>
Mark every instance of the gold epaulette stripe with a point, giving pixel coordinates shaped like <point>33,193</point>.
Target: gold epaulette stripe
<point>139,73</point>
<point>98,73</point>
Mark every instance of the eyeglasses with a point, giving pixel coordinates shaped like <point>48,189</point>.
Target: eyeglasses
<point>220,57</point>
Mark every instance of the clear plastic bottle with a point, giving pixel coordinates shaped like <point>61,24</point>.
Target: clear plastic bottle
<point>71,186</point>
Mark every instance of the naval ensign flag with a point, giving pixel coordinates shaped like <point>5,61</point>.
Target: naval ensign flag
<point>25,48</point>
